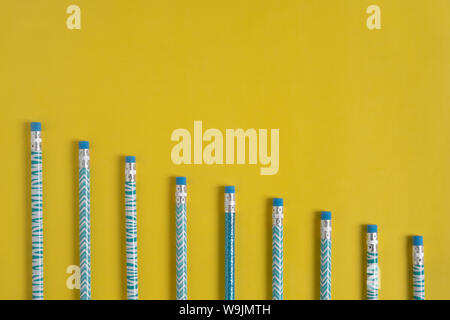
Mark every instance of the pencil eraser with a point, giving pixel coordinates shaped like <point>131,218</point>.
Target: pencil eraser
<point>372,228</point>
<point>229,189</point>
<point>181,180</point>
<point>326,215</point>
<point>417,241</point>
<point>277,202</point>
<point>83,144</point>
<point>129,159</point>
<point>35,126</point>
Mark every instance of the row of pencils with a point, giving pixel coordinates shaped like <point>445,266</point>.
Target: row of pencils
<point>181,236</point>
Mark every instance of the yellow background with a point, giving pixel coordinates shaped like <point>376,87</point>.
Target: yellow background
<point>364,132</point>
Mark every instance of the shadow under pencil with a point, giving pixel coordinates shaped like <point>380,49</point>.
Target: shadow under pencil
<point>316,253</point>
<point>27,178</point>
<point>409,266</point>
<point>221,240</point>
<point>172,239</point>
<point>122,227</point>
<point>268,219</point>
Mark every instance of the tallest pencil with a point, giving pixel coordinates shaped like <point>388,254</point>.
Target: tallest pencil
<point>230,211</point>
<point>85,219</point>
<point>37,234</point>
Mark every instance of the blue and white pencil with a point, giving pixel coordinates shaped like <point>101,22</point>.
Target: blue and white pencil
<point>181,241</point>
<point>277,249</point>
<point>85,219</point>
<point>37,230</point>
<point>131,228</point>
<point>373,284</point>
<point>418,268</point>
<point>230,211</point>
<point>325,256</point>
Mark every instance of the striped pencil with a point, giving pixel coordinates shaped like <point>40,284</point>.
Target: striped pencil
<point>230,211</point>
<point>85,219</point>
<point>277,249</point>
<point>37,230</point>
<point>131,228</point>
<point>372,262</point>
<point>418,268</point>
<point>325,256</point>
<point>181,240</point>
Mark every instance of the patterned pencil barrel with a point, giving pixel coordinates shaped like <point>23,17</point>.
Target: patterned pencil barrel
<point>181,241</point>
<point>372,262</point>
<point>230,211</point>
<point>84,190</point>
<point>325,256</point>
<point>277,249</point>
<point>418,269</point>
<point>37,229</point>
<point>131,227</point>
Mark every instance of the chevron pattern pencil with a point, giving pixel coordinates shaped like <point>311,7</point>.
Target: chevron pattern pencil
<point>85,220</point>
<point>325,256</point>
<point>181,241</point>
<point>277,249</point>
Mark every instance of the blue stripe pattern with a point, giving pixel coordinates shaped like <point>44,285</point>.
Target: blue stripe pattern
<point>277,262</point>
<point>418,282</point>
<point>37,230</point>
<point>131,240</point>
<point>229,255</point>
<point>325,269</point>
<point>85,233</point>
<point>181,251</point>
<point>372,276</point>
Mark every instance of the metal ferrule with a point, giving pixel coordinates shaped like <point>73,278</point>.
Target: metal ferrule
<point>180,194</point>
<point>230,203</point>
<point>277,215</point>
<point>418,255</point>
<point>36,141</point>
<point>83,156</point>
<point>372,242</point>
<point>325,229</point>
<point>130,172</point>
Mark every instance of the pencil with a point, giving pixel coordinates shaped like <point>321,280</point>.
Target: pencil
<point>181,240</point>
<point>372,262</point>
<point>85,220</point>
<point>37,231</point>
<point>277,249</point>
<point>418,268</point>
<point>325,256</point>
<point>131,228</point>
<point>230,211</point>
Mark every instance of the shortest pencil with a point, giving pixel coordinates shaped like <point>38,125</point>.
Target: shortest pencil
<point>418,268</point>
<point>277,249</point>
<point>372,262</point>
<point>325,255</point>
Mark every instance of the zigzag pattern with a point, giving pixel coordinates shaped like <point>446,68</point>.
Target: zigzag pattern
<point>277,262</point>
<point>372,276</point>
<point>229,255</point>
<point>37,230</point>
<point>181,243</point>
<point>131,240</point>
<point>325,269</point>
<point>418,282</point>
<point>85,233</point>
